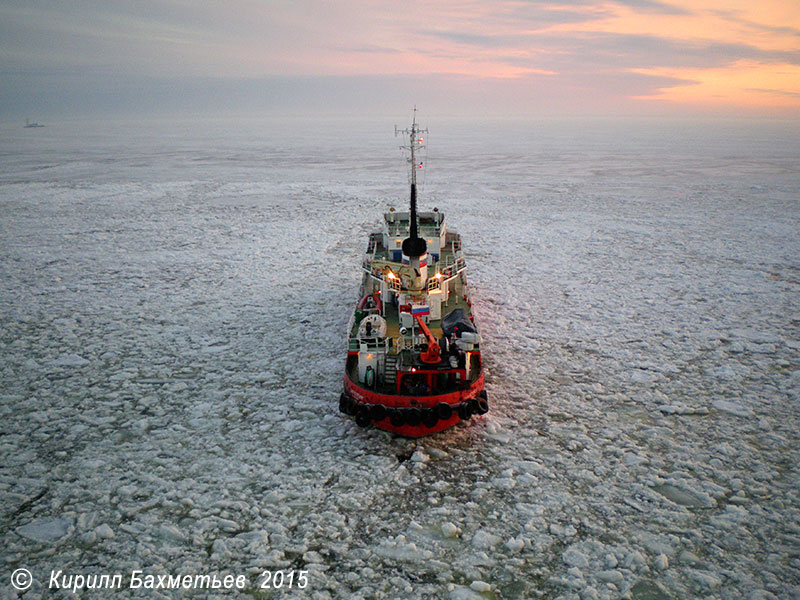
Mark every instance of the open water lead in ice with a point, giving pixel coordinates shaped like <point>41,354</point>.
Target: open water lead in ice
<point>413,359</point>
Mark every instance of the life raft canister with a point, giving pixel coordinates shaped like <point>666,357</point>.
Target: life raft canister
<point>369,377</point>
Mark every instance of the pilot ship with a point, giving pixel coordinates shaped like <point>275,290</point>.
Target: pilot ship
<point>413,357</point>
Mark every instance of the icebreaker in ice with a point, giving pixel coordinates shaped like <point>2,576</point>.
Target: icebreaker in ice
<point>413,359</point>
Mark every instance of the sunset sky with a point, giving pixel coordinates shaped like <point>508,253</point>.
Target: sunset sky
<point>647,57</point>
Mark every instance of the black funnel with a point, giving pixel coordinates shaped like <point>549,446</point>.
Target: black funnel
<point>413,245</point>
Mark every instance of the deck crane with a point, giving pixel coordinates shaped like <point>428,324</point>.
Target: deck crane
<point>433,355</point>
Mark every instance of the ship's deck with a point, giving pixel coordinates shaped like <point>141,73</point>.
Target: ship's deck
<point>399,354</point>
<point>392,317</point>
<point>447,253</point>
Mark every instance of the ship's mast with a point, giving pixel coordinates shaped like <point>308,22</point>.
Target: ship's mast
<point>413,245</point>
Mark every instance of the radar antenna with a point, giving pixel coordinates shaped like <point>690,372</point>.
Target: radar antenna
<point>413,245</point>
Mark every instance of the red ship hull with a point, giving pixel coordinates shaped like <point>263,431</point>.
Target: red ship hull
<point>362,402</point>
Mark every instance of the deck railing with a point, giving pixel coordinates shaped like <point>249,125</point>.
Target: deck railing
<point>391,345</point>
<point>449,268</point>
<point>354,344</point>
<point>453,266</point>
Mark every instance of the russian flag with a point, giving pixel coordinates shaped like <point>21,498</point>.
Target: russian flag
<point>420,309</point>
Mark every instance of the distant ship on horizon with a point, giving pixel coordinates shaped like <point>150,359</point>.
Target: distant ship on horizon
<point>28,124</point>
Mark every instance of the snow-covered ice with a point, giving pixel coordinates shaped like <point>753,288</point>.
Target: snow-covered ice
<point>174,303</point>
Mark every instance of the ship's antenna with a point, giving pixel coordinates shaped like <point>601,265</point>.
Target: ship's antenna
<point>413,245</point>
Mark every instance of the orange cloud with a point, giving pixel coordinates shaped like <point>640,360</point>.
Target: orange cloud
<point>751,47</point>
<point>743,83</point>
<point>592,51</point>
<point>771,28</point>
<point>774,27</point>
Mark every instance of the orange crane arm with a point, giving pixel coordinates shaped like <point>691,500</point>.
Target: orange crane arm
<point>432,355</point>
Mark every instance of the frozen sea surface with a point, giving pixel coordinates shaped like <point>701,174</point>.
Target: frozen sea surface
<point>174,298</point>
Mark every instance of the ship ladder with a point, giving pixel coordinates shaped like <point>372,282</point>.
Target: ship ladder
<point>390,369</point>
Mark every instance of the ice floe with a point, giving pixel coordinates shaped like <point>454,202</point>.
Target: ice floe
<point>172,342</point>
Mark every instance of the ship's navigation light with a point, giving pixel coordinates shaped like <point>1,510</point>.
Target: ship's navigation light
<point>438,276</point>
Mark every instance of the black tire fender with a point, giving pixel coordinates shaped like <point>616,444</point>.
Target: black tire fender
<point>464,411</point>
<point>352,408</point>
<point>444,411</point>
<point>430,418</point>
<point>413,416</point>
<point>483,402</point>
<point>473,406</point>
<point>396,417</point>
<point>362,418</point>
<point>377,412</point>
